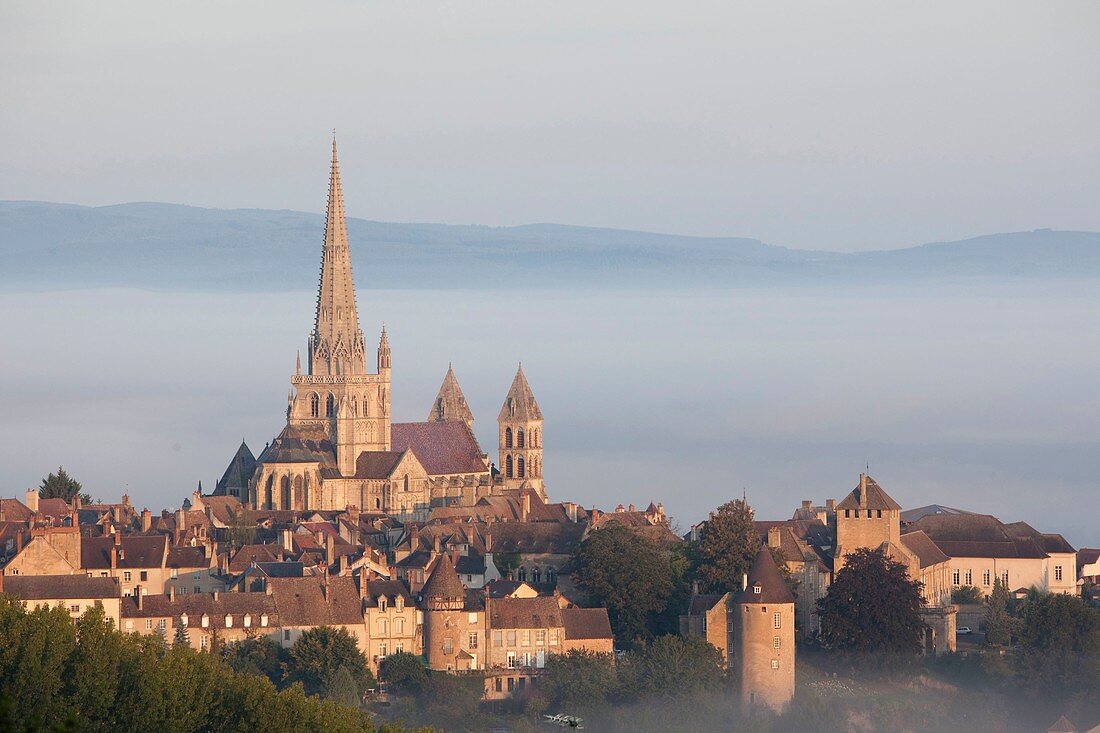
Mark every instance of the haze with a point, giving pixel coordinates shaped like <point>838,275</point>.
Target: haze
<point>850,125</point>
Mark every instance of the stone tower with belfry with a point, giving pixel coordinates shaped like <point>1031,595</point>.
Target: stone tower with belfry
<point>520,425</point>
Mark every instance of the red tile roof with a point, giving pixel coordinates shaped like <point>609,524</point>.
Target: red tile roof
<point>442,447</point>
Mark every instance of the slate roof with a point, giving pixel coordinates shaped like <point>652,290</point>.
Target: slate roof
<point>376,464</point>
<point>773,588</point>
<point>197,604</point>
<point>185,556</point>
<point>519,404</point>
<point>921,545</point>
<point>536,538</point>
<point>389,589</point>
<point>502,587</point>
<point>302,601</point>
<point>700,603</point>
<point>239,472</point>
<point>223,508</point>
<point>260,553</point>
<point>586,623</point>
<point>525,613</point>
<point>441,447</point>
<point>1048,542</point>
<point>300,444</point>
<point>868,495</point>
<point>443,584</point>
<point>284,569</point>
<point>472,564</point>
<point>912,515</point>
<point>137,551</point>
<point>1087,556</point>
<point>977,535</point>
<point>53,587</point>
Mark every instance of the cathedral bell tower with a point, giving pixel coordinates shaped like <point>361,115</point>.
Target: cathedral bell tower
<point>520,423</point>
<point>337,392</point>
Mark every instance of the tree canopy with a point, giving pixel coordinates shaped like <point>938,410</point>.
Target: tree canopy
<point>61,485</point>
<point>1059,640</point>
<point>872,607</point>
<point>726,549</point>
<point>628,574</point>
<point>319,655</point>
<point>999,622</point>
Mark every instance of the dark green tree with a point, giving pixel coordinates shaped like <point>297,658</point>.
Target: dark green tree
<point>94,671</point>
<point>967,594</point>
<point>403,673</point>
<point>628,574</point>
<point>578,680</point>
<point>999,622</point>
<point>256,655</point>
<point>726,548</point>
<point>872,607</point>
<point>61,485</point>
<point>672,666</point>
<point>34,650</point>
<point>182,637</point>
<point>322,652</point>
<point>1059,642</point>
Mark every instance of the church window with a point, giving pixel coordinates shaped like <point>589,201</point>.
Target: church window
<point>377,503</point>
<point>268,497</point>
<point>406,482</point>
<point>314,405</point>
<point>550,575</point>
<point>536,574</point>
<point>507,437</point>
<point>519,438</point>
<point>777,621</point>
<point>355,405</point>
<point>508,467</point>
<point>440,409</point>
<point>330,405</point>
<point>523,575</point>
<point>519,466</point>
<point>285,485</point>
<point>985,577</point>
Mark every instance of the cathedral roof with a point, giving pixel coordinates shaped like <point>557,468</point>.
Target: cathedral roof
<point>377,464</point>
<point>519,404</point>
<point>300,444</point>
<point>765,574</point>
<point>868,495</point>
<point>442,447</point>
<point>443,584</point>
<point>239,471</point>
<point>450,404</point>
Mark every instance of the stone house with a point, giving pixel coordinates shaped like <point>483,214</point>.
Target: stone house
<point>211,619</point>
<point>75,593</point>
<point>393,622</point>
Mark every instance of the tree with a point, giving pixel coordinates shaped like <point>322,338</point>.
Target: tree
<point>628,574</point>
<point>403,672</point>
<point>726,549</point>
<point>872,607</point>
<point>182,638</point>
<point>578,679</point>
<point>1059,643</point>
<point>967,594</point>
<point>673,665</point>
<point>999,623</point>
<point>256,655</point>
<point>320,653</point>
<point>61,485</point>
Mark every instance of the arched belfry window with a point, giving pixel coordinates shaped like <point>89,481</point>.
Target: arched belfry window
<point>440,409</point>
<point>508,467</point>
<point>519,438</point>
<point>355,405</point>
<point>406,482</point>
<point>314,405</point>
<point>511,406</point>
<point>330,405</point>
<point>507,437</point>
<point>519,467</point>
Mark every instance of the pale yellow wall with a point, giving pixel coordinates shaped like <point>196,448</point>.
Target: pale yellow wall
<point>755,653</point>
<point>524,641</point>
<point>77,606</point>
<point>401,629</point>
<point>1022,573</point>
<point>39,557</point>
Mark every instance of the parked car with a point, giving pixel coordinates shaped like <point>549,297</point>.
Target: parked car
<point>964,630</point>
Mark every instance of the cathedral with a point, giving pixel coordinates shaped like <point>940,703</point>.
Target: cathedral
<point>339,447</point>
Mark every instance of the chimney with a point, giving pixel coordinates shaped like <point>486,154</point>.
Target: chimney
<point>807,504</point>
<point>287,537</point>
<point>126,500</point>
<point>19,540</point>
<point>414,537</point>
<point>488,539</point>
<point>773,537</point>
<point>526,510</point>
<point>744,581</point>
<point>172,593</point>
<point>862,488</point>
<point>437,545</point>
<point>631,508</point>
<point>330,550</point>
<point>181,520</point>
<point>146,521</point>
<point>31,500</point>
<point>830,505</point>
<point>140,600</point>
<point>76,501</point>
<point>215,596</point>
<point>571,509</point>
<point>114,557</point>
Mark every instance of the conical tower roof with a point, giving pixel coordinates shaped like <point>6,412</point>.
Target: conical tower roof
<point>337,343</point>
<point>443,584</point>
<point>765,575</point>
<point>450,404</point>
<point>520,405</point>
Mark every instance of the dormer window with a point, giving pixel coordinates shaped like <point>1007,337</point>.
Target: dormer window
<point>756,589</point>
<point>247,620</point>
<point>382,605</point>
<point>205,621</point>
<point>183,619</point>
<point>399,603</point>
<point>263,619</point>
<point>228,621</point>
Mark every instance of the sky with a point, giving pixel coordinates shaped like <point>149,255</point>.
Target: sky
<point>840,125</point>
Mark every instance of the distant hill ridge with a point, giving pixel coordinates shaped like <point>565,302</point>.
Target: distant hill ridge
<point>171,246</point>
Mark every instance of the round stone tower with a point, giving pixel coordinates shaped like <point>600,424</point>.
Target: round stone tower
<point>446,624</point>
<point>763,636</point>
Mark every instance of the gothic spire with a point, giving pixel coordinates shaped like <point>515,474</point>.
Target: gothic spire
<point>520,404</point>
<point>337,345</point>
<point>450,404</point>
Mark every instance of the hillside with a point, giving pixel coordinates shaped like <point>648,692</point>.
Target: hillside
<point>167,246</point>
